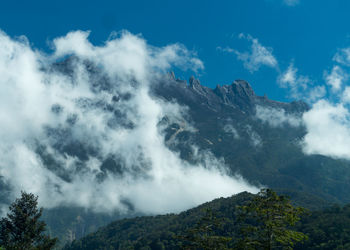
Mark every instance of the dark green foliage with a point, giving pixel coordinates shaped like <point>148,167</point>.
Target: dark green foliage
<point>168,231</point>
<point>266,222</point>
<point>21,229</point>
<point>207,234</point>
<point>217,221</point>
<point>327,229</point>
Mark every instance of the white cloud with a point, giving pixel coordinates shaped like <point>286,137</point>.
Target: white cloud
<point>291,2</point>
<point>316,93</point>
<point>254,137</point>
<point>297,84</point>
<point>343,56</point>
<point>328,130</point>
<point>336,78</point>
<point>345,98</point>
<point>257,57</point>
<point>109,113</point>
<point>277,117</point>
<point>327,122</point>
<point>300,86</point>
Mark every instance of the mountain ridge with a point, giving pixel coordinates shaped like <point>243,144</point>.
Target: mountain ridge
<point>235,105</point>
<point>239,94</point>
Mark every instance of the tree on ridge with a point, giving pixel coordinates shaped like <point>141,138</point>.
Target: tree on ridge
<point>22,229</point>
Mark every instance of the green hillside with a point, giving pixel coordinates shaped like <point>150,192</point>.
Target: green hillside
<point>326,229</point>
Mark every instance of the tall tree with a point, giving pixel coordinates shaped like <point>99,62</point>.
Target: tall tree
<point>21,229</point>
<point>267,222</point>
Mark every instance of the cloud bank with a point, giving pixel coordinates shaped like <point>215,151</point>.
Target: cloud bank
<point>79,127</point>
<point>336,78</point>
<point>328,130</point>
<point>327,122</point>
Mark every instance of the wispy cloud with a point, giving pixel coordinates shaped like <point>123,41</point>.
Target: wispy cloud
<point>336,78</point>
<point>255,138</point>
<point>230,129</point>
<point>296,84</point>
<point>343,56</point>
<point>256,57</point>
<point>315,93</point>
<point>345,97</point>
<point>299,86</point>
<point>277,117</point>
<point>291,2</point>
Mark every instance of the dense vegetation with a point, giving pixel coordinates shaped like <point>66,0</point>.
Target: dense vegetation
<point>267,222</point>
<point>22,228</point>
<point>325,229</point>
<point>159,232</point>
<point>243,221</point>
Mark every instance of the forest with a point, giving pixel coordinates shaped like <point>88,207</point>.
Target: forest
<point>266,220</point>
<point>219,223</point>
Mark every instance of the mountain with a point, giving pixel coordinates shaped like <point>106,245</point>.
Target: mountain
<point>247,136</point>
<point>228,125</point>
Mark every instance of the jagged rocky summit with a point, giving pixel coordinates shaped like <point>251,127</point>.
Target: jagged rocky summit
<point>238,95</point>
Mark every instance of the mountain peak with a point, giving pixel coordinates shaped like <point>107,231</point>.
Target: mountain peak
<point>243,88</point>
<point>194,82</point>
<point>238,93</point>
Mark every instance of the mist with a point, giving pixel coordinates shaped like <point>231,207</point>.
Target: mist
<point>80,128</point>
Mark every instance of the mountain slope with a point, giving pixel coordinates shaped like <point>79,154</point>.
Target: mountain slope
<point>95,147</point>
<point>228,125</point>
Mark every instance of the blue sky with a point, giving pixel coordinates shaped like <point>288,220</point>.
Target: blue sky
<point>304,33</point>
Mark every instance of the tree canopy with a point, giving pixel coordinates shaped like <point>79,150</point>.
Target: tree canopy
<point>22,229</point>
<point>266,222</point>
<point>206,234</point>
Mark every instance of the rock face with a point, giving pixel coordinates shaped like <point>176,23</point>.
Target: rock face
<point>239,91</point>
<point>239,95</point>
